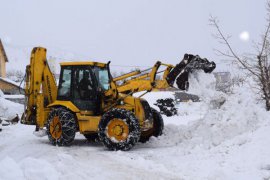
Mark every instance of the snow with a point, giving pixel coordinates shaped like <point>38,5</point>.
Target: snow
<point>230,142</point>
<point>14,96</point>
<point>8,109</point>
<point>1,94</point>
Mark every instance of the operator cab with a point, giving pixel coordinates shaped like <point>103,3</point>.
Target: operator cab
<point>83,83</point>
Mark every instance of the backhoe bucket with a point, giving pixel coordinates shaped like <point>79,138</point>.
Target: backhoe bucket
<point>189,63</point>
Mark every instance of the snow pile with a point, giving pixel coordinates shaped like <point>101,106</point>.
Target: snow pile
<point>8,109</point>
<point>231,142</point>
<point>240,113</point>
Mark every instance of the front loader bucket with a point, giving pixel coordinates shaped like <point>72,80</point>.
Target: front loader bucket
<point>189,63</point>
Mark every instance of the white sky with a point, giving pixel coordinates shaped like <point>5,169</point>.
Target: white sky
<point>130,32</point>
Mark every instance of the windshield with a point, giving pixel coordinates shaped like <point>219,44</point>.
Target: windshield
<point>102,77</point>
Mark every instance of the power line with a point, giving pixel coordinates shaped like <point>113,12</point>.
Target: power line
<point>129,66</point>
<point>114,65</point>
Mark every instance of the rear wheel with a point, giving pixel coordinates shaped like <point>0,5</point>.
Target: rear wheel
<point>157,128</point>
<point>61,127</point>
<point>119,129</point>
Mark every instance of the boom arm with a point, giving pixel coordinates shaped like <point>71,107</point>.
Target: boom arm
<point>40,87</point>
<point>146,82</point>
<point>143,81</point>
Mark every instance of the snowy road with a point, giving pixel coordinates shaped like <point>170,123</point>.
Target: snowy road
<point>193,146</point>
<point>36,159</point>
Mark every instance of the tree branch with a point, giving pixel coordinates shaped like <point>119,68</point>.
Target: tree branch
<point>214,22</point>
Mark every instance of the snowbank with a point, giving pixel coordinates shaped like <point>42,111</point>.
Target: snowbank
<point>9,109</point>
<point>240,113</point>
<point>231,142</point>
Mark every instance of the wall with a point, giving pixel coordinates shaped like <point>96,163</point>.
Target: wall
<point>2,64</point>
<point>3,60</point>
<point>8,88</point>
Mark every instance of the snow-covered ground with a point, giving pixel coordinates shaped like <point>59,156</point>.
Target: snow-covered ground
<point>202,142</point>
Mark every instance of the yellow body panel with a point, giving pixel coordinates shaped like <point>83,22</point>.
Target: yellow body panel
<point>69,105</point>
<point>88,123</point>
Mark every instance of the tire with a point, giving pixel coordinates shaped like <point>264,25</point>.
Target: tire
<point>92,137</point>
<point>119,129</point>
<point>157,127</point>
<point>158,123</point>
<point>61,127</point>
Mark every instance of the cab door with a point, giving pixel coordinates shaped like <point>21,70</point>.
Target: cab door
<point>85,94</point>
<point>79,85</point>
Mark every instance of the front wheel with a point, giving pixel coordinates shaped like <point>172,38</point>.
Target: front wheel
<point>61,127</point>
<point>119,129</point>
<point>158,123</point>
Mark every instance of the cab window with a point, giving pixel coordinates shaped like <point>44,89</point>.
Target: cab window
<point>103,78</point>
<point>65,83</point>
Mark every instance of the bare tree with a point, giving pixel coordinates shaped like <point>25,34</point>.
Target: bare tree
<point>257,66</point>
<point>15,75</point>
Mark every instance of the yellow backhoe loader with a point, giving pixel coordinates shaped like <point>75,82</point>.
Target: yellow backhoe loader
<point>89,100</point>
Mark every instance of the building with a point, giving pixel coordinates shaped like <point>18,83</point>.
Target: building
<point>223,81</point>
<point>10,87</point>
<point>3,61</point>
<point>6,85</point>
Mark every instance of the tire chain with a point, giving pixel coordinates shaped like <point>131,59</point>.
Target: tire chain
<point>166,107</point>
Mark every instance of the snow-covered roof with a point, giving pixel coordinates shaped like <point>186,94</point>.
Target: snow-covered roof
<point>10,81</point>
<point>16,96</point>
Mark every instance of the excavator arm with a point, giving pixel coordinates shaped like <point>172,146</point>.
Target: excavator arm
<point>40,88</point>
<point>137,81</point>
